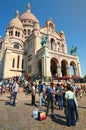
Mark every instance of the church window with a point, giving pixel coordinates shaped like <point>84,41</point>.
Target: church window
<point>18,34</point>
<point>18,61</point>
<point>13,63</point>
<point>16,46</point>
<point>11,33</point>
<point>52,43</point>
<point>28,31</point>
<point>25,31</point>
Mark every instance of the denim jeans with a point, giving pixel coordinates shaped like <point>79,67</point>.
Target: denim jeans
<point>41,98</point>
<point>15,95</point>
<point>71,113</point>
<point>60,102</point>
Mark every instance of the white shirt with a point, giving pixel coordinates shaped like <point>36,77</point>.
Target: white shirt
<point>15,86</point>
<point>33,90</point>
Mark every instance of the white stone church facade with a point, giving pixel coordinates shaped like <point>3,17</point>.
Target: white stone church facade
<point>22,52</point>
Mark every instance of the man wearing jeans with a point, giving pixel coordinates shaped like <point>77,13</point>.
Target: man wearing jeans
<point>15,91</point>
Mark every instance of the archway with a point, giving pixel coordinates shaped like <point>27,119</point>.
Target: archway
<point>72,68</point>
<point>64,67</point>
<point>53,67</point>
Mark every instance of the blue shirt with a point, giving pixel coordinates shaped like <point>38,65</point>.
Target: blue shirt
<point>40,88</point>
<point>50,91</point>
<point>59,90</point>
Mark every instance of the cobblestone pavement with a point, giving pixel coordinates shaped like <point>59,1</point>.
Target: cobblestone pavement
<point>20,117</point>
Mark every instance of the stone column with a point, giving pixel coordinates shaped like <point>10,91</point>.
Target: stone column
<point>43,65</point>
<point>78,67</point>
<point>75,71</point>
<point>46,64</point>
<point>68,70</point>
<point>59,71</point>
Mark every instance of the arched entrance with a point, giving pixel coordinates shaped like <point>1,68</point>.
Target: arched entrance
<point>64,67</point>
<point>53,67</point>
<point>72,68</point>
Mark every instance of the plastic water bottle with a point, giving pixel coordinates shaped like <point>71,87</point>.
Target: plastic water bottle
<point>35,113</point>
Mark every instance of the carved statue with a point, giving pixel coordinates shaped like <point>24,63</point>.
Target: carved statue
<point>44,40</point>
<point>73,50</point>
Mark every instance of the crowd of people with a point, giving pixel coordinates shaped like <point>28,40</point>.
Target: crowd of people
<point>64,96</point>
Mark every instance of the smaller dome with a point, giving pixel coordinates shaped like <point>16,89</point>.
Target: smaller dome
<point>16,22</point>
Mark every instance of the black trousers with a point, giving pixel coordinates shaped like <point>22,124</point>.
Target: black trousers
<point>50,101</point>
<point>33,99</point>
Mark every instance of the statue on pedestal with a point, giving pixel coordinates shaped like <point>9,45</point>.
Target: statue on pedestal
<point>73,50</point>
<point>44,40</point>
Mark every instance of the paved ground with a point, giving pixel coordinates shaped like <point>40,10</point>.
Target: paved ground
<point>20,117</point>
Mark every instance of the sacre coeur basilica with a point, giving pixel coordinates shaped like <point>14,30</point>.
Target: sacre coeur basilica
<point>37,51</point>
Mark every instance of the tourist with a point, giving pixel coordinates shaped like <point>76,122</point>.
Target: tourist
<point>15,91</point>
<point>50,99</point>
<point>60,96</point>
<point>26,86</point>
<point>11,92</point>
<point>33,93</point>
<point>41,92</point>
<point>69,95</point>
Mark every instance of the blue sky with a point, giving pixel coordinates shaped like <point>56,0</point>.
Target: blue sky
<point>68,15</point>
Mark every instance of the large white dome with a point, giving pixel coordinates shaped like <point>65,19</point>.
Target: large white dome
<point>28,15</point>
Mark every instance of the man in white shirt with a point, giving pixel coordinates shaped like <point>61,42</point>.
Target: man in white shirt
<point>15,91</point>
<point>33,93</point>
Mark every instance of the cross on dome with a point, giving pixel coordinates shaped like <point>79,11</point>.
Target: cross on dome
<point>17,14</point>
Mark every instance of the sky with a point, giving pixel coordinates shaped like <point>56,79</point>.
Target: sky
<point>68,15</point>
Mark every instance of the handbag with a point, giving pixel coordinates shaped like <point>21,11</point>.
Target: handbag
<point>41,115</point>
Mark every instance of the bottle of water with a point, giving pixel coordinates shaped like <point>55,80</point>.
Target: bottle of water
<point>35,113</point>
